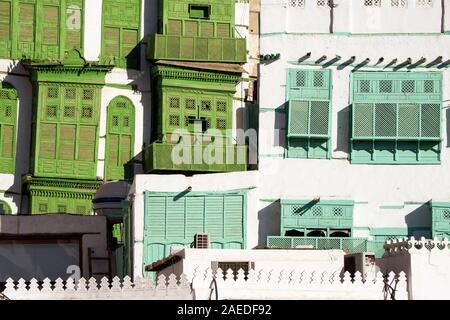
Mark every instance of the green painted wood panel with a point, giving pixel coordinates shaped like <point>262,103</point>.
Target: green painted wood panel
<point>119,137</point>
<point>173,220</point>
<point>8,120</point>
<point>396,117</point>
<point>40,29</point>
<point>121,33</point>
<point>309,116</point>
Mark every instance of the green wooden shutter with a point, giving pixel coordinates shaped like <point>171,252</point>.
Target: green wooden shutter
<point>26,45</point>
<point>47,139</point>
<point>8,118</point>
<point>87,142</point>
<point>74,21</point>
<point>233,212</point>
<point>112,41</point>
<point>5,29</point>
<point>51,25</point>
<point>67,139</point>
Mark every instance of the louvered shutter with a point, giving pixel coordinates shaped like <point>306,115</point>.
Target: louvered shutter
<point>48,141</point>
<point>214,217</point>
<point>112,41</point>
<point>5,20</point>
<point>7,141</point>
<point>87,143</point>
<point>51,25</point>
<point>233,213</point>
<point>73,24</point>
<point>67,139</point>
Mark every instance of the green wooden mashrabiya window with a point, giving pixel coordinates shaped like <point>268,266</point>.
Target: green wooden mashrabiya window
<point>121,33</point>
<point>8,120</point>
<point>396,117</point>
<point>323,218</point>
<point>4,208</point>
<point>309,116</point>
<point>67,131</point>
<point>173,220</point>
<point>40,29</point>
<point>119,137</point>
<point>185,110</point>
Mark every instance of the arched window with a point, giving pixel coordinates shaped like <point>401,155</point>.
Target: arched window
<point>4,208</point>
<point>8,116</point>
<point>119,137</point>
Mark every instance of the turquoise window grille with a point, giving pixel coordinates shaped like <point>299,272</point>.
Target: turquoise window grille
<point>309,116</point>
<point>440,220</point>
<point>396,118</point>
<point>307,217</point>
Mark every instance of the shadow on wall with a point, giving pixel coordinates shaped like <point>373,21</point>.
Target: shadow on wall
<point>419,222</point>
<point>343,130</point>
<point>23,136</point>
<point>280,126</point>
<point>269,220</point>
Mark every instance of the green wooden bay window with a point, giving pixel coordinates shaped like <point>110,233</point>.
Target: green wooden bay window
<point>67,131</point>
<point>316,218</point>
<point>8,118</point>
<point>40,29</point>
<point>309,116</point>
<point>396,117</point>
<point>121,33</point>
<point>172,221</point>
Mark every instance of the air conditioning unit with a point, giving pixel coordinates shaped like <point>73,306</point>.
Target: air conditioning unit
<point>201,241</point>
<point>363,262</point>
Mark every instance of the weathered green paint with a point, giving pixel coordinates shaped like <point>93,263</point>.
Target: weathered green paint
<point>4,208</point>
<point>8,120</point>
<point>396,117</point>
<point>61,195</point>
<point>121,20</point>
<point>309,113</point>
<point>306,215</point>
<point>440,219</point>
<point>40,29</point>
<point>120,130</point>
<point>173,220</point>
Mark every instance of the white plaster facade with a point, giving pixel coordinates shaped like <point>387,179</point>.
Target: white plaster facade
<point>386,196</point>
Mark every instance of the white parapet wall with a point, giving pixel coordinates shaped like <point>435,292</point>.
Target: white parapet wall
<point>426,264</point>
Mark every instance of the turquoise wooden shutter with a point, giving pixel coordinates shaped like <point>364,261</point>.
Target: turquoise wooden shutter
<point>233,213</point>
<point>309,117</point>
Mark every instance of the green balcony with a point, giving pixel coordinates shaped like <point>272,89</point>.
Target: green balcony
<point>195,158</point>
<point>350,245</point>
<point>175,47</point>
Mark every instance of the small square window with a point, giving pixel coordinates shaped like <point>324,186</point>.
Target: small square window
<point>126,122</point>
<point>88,94</point>
<point>190,104</point>
<point>199,11</point>
<point>70,93</point>
<point>69,112</point>
<point>52,92</point>
<point>174,120</point>
<point>221,124</point>
<point>81,209</point>
<point>52,111</point>
<point>43,208</point>
<point>8,111</point>
<point>206,105</point>
<point>221,106</point>
<point>62,208</point>
<point>86,112</point>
